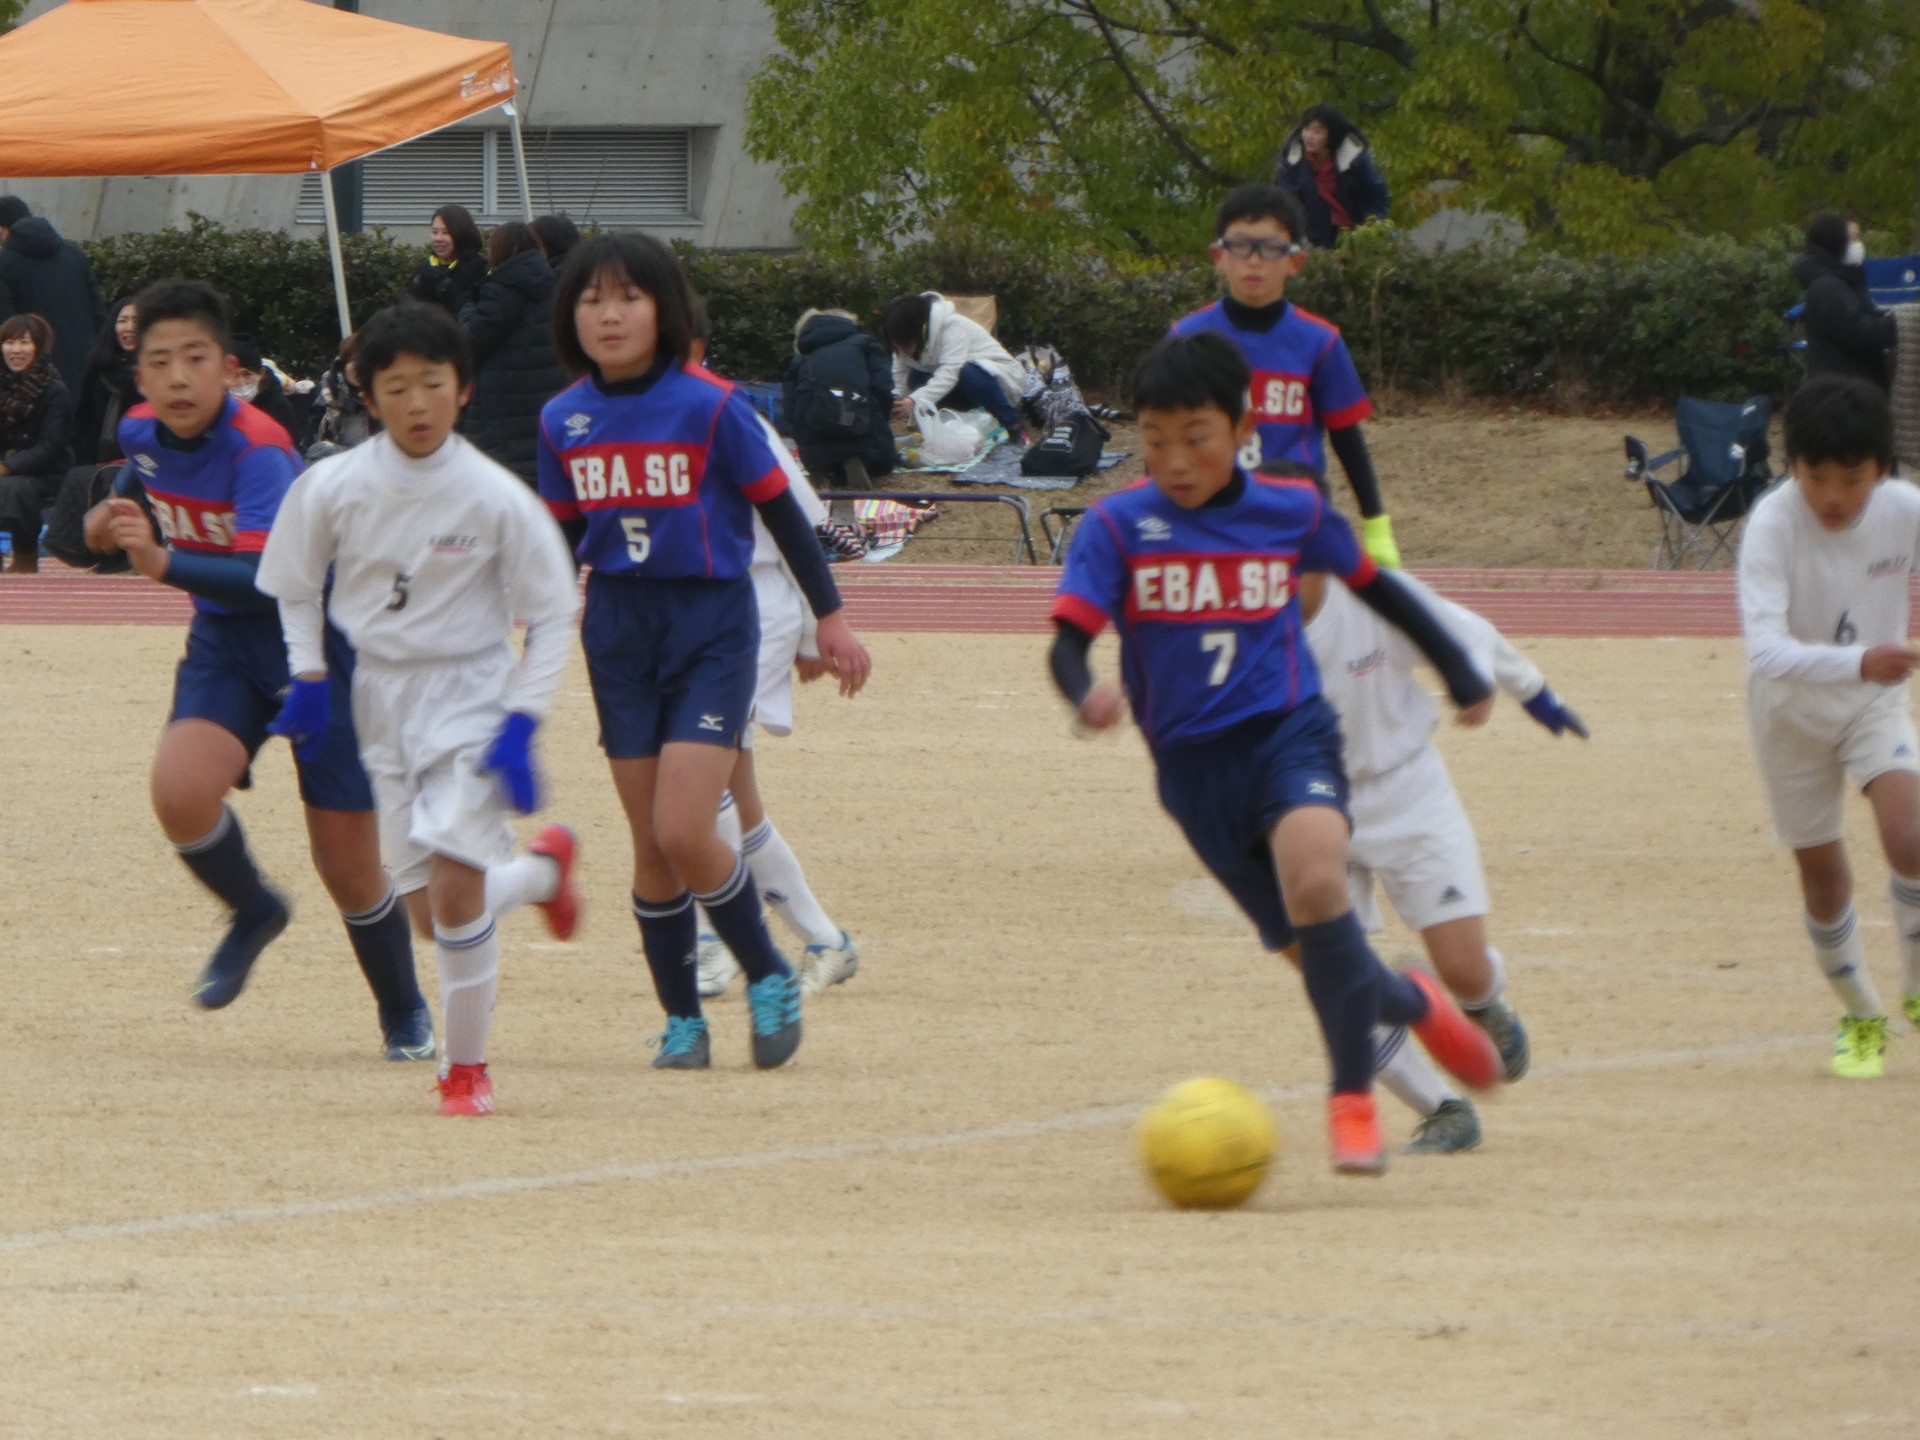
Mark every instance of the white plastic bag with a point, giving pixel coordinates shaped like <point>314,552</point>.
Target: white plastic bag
<point>945,438</point>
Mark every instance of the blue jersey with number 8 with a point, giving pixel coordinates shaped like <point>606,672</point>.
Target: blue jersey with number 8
<point>1203,599</point>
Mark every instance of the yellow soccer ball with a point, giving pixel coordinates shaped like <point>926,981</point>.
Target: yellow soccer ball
<point>1206,1144</point>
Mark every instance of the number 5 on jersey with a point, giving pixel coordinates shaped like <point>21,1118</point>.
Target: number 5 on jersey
<point>639,543</point>
<point>1220,644</point>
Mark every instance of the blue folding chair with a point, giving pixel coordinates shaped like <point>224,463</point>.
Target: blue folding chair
<point>1727,468</point>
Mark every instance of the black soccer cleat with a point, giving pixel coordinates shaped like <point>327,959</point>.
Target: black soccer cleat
<point>226,974</point>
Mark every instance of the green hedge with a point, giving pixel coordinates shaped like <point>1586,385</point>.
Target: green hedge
<point>1702,318</point>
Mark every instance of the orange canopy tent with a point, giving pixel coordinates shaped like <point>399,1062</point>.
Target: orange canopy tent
<point>234,87</point>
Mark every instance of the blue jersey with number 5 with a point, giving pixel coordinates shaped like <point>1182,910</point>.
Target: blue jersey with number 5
<point>1203,599</point>
<point>664,471</point>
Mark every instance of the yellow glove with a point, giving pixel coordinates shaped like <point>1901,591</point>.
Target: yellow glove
<point>1376,538</point>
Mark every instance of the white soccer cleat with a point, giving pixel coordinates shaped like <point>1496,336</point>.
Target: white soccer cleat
<point>824,966</point>
<point>716,966</point>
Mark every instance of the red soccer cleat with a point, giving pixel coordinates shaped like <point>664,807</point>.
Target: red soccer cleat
<point>1461,1047</point>
<point>1354,1133</point>
<point>557,843</point>
<point>467,1090</point>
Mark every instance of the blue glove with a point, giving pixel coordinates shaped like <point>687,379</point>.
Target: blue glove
<point>509,760</point>
<point>304,716</point>
<point>1551,711</point>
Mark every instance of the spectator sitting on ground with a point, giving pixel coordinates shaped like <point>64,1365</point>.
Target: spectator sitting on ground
<point>509,324</point>
<point>946,359</point>
<point>36,425</point>
<point>458,262</point>
<point>257,383</point>
<point>846,438</point>
<point>1847,334</point>
<point>41,274</point>
<point>557,235</point>
<point>107,390</point>
<point>1328,165</point>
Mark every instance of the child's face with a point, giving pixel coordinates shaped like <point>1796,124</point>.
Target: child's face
<point>1191,454</point>
<point>618,326</point>
<point>1253,278</point>
<point>184,371</point>
<point>1837,490</point>
<point>419,401</point>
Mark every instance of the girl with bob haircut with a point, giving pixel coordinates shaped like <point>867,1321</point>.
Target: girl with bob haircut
<point>654,469</point>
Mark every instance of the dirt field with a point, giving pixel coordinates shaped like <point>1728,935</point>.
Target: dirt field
<point>1466,487</point>
<point>931,1225</point>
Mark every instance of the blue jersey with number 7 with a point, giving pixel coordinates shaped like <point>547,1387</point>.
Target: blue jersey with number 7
<point>1203,599</point>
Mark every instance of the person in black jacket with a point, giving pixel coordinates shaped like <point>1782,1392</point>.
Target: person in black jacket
<point>1847,334</point>
<point>449,276</point>
<point>557,235</point>
<point>107,390</point>
<point>257,384</point>
<point>846,437</point>
<point>41,274</point>
<point>36,428</point>
<point>509,324</point>
<point>1328,165</point>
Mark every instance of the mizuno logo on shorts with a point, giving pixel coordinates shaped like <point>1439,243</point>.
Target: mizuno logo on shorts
<point>713,722</point>
<point>1324,788</point>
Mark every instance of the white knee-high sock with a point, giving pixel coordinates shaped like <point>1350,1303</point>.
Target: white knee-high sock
<point>1906,919</point>
<point>783,885</point>
<point>1495,987</point>
<point>1842,955</point>
<point>523,880</point>
<point>1407,1072</point>
<point>469,957</point>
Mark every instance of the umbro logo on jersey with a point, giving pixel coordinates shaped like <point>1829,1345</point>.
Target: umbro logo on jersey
<point>1451,895</point>
<point>146,464</point>
<point>713,722</point>
<point>1152,527</point>
<point>578,425</point>
<point>1323,789</point>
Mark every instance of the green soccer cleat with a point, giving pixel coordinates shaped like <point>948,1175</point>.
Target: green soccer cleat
<point>1860,1048</point>
<point>1454,1127</point>
<point>1509,1036</point>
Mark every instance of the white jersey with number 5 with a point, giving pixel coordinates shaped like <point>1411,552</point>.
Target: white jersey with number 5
<point>432,561</point>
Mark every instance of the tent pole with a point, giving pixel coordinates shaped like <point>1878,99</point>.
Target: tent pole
<point>339,261</point>
<point>520,162</point>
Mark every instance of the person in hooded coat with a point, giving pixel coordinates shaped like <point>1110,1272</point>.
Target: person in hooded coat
<point>107,389</point>
<point>1328,165</point>
<point>41,274</point>
<point>1847,334</point>
<point>36,430</point>
<point>832,353</point>
<point>509,324</point>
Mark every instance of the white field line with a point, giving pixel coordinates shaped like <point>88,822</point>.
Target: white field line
<point>192,1220</point>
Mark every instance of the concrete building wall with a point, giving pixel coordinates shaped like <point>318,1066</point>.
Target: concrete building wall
<point>579,62</point>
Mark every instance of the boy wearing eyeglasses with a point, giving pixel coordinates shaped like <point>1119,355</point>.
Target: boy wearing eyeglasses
<point>1304,383</point>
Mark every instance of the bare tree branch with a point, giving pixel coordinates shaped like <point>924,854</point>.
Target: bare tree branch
<point>1160,119</point>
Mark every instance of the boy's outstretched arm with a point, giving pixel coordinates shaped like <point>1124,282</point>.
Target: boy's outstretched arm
<point>1376,529</point>
<point>1389,597</point>
<point>1495,655</point>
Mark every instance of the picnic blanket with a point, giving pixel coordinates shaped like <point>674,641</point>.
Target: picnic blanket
<point>999,464</point>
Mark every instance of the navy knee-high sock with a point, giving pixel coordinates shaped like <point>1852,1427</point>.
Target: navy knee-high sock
<point>738,920</point>
<point>383,944</point>
<point>1343,982</point>
<point>219,861</point>
<point>670,936</point>
<point>1401,1001</point>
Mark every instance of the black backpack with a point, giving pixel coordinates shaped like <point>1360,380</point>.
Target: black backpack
<point>834,411</point>
<point>83,488</point>
<point>1070,448</point>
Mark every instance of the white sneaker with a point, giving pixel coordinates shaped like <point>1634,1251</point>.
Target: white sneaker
<point>716,965</point>
<point>824,966</point>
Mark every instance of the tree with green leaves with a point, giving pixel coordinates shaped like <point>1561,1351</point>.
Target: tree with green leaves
<point>1599,125</point>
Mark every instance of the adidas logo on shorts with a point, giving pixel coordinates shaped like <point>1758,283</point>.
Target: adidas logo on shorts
<point>1451,895</point>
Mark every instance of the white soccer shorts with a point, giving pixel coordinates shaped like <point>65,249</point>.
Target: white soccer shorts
<point>423,731</point>
<point>782,622</point>
<point>1410,833</point>
<point>1809,744</point>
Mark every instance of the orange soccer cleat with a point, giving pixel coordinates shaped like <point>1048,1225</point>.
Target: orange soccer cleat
<point>1461,1047</point>
<point>1354,1132</point>
<point>466,1090</point>
<point>557,843</point>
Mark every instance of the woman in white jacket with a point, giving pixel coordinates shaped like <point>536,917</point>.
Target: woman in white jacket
<point>945,359</point>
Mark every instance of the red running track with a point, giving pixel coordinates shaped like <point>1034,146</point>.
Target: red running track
<point>1012,600</point>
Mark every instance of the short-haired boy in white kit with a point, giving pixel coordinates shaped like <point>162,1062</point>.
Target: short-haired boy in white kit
<point>1823,605</point>
<point>1409,830</point>
<point>434,553</point>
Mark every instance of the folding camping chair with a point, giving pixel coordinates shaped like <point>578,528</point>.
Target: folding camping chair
<point>1726,470</point>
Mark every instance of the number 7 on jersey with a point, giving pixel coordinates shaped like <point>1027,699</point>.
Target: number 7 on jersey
<point>1220,643</point>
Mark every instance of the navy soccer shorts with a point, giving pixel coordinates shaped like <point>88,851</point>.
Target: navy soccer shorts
<point>233,674</point>
<point>670,660</point>
<point>1228,792</point>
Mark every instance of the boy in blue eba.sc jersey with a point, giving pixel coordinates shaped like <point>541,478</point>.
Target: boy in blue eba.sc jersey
<point>211,471</point>
<point>1195,567</point>
<point>1303,383</point>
